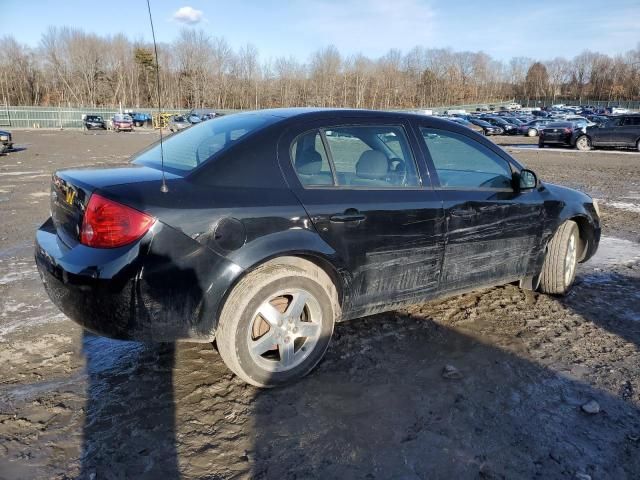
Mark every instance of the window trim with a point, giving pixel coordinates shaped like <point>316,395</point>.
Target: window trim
<point>432,165</point>
<point>323,128</point>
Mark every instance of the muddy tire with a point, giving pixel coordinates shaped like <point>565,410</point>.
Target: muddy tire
<point>277,322</point>
<point>559,268</point>
<point>532,132</point>
<point>583,143</point>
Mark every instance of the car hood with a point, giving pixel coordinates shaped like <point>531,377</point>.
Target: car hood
<point>568,194</point>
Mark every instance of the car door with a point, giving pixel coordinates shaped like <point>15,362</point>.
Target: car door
<point>373,204</point>
<point>627,135</point>
<point>493,231</point>
<point>606,135</point>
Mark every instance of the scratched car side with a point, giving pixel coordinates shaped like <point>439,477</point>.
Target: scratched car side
<point>279,223</point>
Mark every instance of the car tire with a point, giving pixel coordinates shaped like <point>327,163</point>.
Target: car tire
<point>561,258</point>
<point>583,143</point>
<point>532,132</point>
<point>638,145</point>
<point>256,316</point>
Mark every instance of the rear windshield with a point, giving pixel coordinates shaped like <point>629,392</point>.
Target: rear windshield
<point>193,146</point>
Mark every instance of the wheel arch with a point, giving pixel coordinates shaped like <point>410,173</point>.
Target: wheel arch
<point>292,244</point>
<point>587,236</point>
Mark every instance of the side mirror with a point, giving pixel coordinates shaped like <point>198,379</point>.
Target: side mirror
<point>527,180</point>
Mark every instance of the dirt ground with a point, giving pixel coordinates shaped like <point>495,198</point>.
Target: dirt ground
<point>525,366</point>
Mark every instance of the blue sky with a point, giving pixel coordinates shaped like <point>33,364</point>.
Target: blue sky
<point>541,29</point>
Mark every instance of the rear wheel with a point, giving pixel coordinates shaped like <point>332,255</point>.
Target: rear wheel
<point>583,143</point>
<point>638,145</point>
<point>532,132</point>
<point>559,268</point>
<point>277,322</point>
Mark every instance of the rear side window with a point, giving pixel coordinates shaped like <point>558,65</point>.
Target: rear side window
<point>463,163</point>
<point>193,146</point>
<point>632,121</point>
<point>310,159</point>
<point>357,156</point>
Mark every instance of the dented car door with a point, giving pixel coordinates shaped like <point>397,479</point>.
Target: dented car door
<point>493,231</point>
<point>372,202</point>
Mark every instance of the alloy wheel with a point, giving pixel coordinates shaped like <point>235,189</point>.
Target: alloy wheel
<point>285,330</point>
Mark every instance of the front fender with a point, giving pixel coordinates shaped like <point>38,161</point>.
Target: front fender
<point>564,204</point>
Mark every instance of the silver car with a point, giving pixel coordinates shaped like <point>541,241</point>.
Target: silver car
<point>177,123</point>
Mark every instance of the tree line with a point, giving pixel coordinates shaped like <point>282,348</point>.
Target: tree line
<point>76,68</point>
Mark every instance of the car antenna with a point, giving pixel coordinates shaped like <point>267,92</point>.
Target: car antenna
<point>163,188</point>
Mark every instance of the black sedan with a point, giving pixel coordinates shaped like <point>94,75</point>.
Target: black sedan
<point>487,128</point>
<point>508,127</point>
<point>558,133</point>
<point>263,229</point>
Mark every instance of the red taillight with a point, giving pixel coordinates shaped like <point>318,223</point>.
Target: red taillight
<point>109,224</point>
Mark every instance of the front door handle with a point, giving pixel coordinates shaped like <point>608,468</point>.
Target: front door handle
<point>351,215</point>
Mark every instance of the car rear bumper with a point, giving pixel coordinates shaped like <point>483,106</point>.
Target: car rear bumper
<point>165,287</point>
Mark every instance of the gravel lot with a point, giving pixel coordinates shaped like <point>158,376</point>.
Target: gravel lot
<point>492,384</point>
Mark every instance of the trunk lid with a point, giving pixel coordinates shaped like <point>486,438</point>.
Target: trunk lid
<point>71,190</point>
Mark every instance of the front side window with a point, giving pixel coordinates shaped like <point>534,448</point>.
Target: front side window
<point>463,163</point>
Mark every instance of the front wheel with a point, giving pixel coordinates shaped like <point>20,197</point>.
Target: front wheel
<point>638,145</point>
<point>559,267</point>
<point>532,132</point>
<point>277,322</point>
<point>583,143</point>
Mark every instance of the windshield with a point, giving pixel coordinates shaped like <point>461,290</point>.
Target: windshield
<point>193,146</point>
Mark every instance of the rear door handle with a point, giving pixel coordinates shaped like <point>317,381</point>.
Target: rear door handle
<point>348,216</point>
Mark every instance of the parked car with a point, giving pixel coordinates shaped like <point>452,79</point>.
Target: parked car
<point>532,128</point>
<point>140,119</point>
<point>94,121</point>
<point>466,123</point>
<point>618,131</point>
<point>204,113</point>
<point>122,122</point>
<point>487,128</point>
<point>177,123</point>
<point>6,141</point>
<point>193,119</point>
<point>508,127</point>
<point>540,113</point>
<point>558,133</point>
<point>270,231</point>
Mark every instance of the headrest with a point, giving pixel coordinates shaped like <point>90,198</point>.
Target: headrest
<point>309,162</point>
<point>372,165</point>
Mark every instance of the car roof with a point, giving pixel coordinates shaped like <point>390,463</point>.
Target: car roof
<point>296,114</point>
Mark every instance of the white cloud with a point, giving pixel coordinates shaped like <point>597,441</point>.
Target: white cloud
<point>188,15</point>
